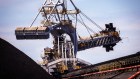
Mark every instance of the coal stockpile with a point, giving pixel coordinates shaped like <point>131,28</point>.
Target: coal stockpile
<point>14,64</point>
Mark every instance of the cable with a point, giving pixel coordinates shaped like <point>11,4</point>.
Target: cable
<point>83,24</point>
<point>73,5</point>
<point>90,44</point>
<point>35,18</point>
<point>38,14</point>
<point>92,21</point>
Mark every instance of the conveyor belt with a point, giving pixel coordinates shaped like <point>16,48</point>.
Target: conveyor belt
<point>105,40</point>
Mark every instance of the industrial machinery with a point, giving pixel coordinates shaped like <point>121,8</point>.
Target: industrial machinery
<point>61,21</point>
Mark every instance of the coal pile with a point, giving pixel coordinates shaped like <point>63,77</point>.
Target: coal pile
<point>14,64</point>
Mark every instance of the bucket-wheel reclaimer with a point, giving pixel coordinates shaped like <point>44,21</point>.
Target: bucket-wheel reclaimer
<point>61,21</point>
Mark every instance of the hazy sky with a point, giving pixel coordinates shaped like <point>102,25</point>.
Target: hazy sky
<point>125,14</point>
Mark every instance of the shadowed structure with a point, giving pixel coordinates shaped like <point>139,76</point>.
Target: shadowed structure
<point>14,64</point>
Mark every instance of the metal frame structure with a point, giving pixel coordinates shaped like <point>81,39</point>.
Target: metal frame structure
<point>57,22</point>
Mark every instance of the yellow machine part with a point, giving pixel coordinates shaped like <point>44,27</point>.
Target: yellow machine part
<point>62,68</point>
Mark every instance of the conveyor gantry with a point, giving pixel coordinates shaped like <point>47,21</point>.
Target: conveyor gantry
<point>107,38</point>
<point>109,41</point>
<point>32,33</point>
